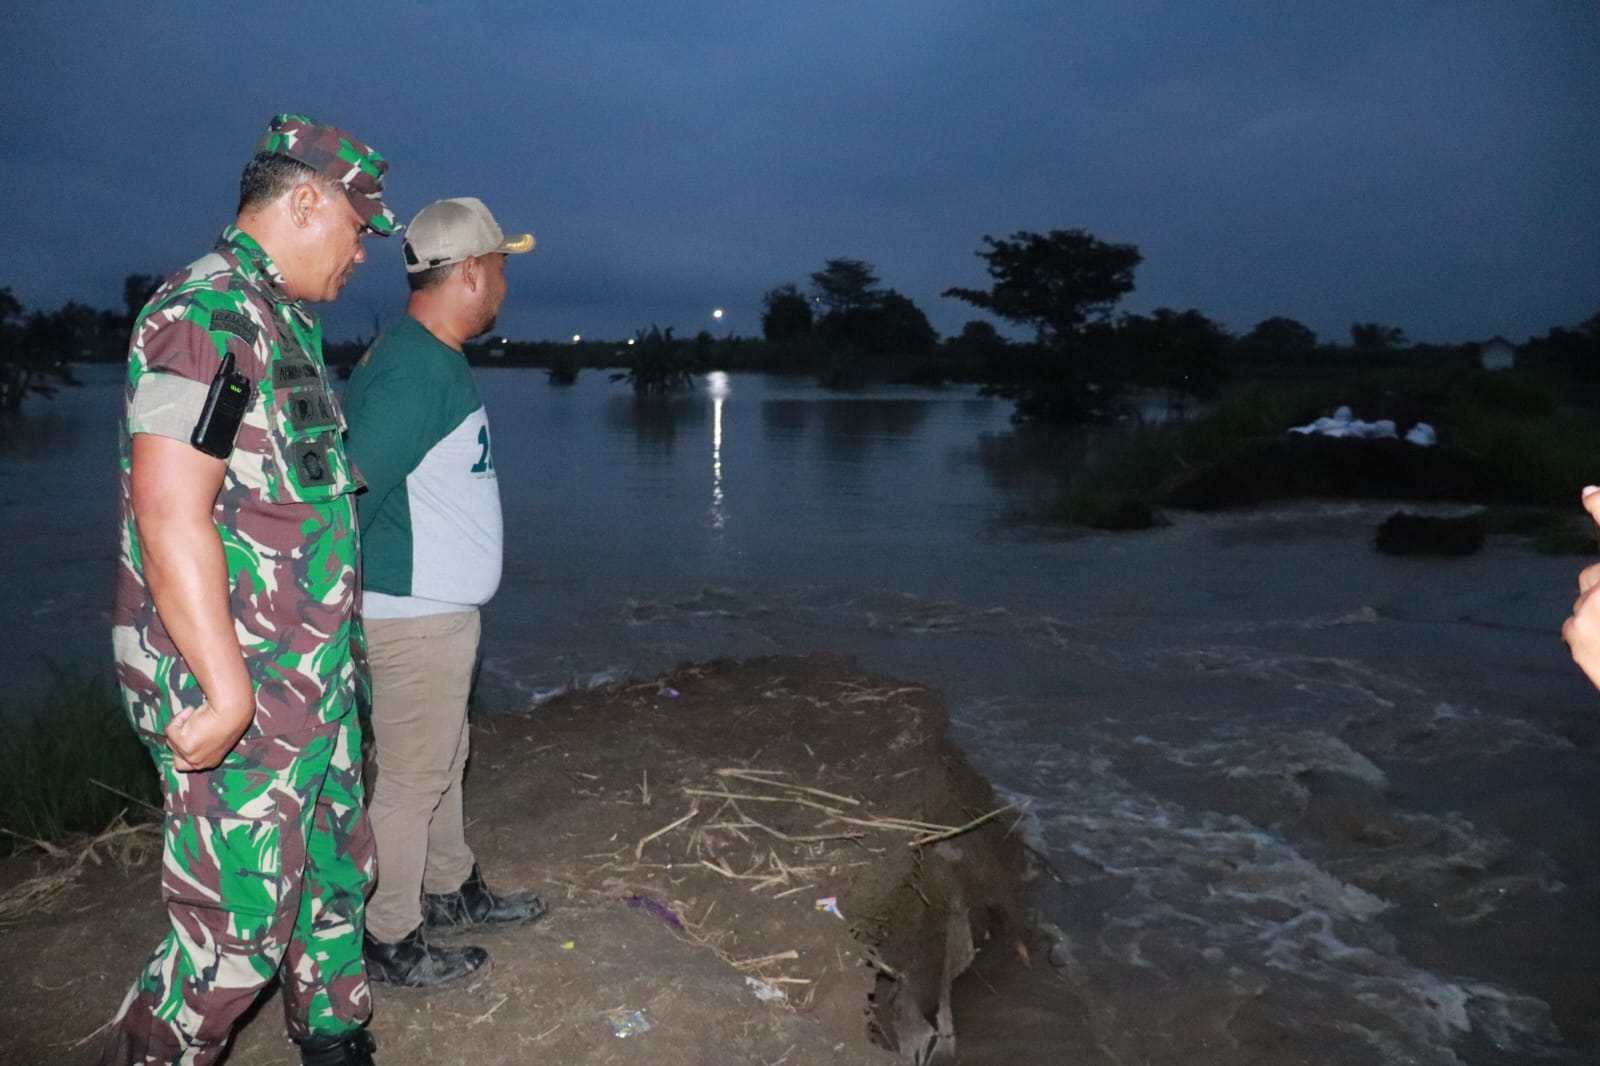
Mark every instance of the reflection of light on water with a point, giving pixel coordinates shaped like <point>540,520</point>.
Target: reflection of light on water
<point>717,385</point>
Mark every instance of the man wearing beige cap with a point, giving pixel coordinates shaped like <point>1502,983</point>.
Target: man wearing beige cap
<point>431,533</point>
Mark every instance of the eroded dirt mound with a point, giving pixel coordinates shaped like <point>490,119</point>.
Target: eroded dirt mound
<point>755,858</point>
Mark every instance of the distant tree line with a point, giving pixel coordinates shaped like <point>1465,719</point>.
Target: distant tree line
<point>1083,360</point>
<point>1084,356</point>
<point>38,348</point>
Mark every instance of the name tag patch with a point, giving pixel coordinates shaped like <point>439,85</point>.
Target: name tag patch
<point>289,371</point>
<point>236,324</point>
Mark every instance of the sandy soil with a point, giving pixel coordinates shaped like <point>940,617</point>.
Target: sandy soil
<point>675,884</point>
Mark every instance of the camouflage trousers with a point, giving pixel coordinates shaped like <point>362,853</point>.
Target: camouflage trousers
<point>266,864</point>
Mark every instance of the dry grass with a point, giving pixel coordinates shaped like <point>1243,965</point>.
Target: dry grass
<point>717,835</point>
<point>122,842</point>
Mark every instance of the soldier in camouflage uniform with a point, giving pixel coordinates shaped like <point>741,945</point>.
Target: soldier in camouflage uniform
<point>234,629</point>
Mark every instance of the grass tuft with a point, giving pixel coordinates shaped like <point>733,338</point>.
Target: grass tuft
<point>69,764</point>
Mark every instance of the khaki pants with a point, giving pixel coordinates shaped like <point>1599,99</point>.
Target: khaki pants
<point>421,677</point>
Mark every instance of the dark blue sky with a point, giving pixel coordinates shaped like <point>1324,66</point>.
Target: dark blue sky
<point>1434,166</point>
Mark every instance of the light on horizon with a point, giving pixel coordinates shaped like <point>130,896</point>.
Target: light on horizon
<point>717,313</point>
<point>576,337</point>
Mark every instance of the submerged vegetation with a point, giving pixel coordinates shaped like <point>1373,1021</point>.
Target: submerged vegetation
<point>655,363</point>
<point>1503,441</point>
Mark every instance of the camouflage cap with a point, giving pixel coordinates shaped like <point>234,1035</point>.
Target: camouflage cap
<point>339,156</point>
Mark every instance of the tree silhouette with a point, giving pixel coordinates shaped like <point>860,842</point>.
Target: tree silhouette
<point>1376,337</point>
<point>785,315</point>
<point>1055,282</point>
<point>846,286</point>
<point>35,347</point>
<point>900,328</point>
<point>1062,284</point>
<point>1180,351</point>
<point>136,292</point>
<point>1279,338</point>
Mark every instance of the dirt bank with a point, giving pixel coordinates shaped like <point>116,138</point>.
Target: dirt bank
<point>685,830</point>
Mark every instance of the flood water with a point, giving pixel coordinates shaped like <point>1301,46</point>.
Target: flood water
<point>1301,803</point>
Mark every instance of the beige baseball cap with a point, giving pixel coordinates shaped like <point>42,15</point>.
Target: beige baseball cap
<point>448,231</point>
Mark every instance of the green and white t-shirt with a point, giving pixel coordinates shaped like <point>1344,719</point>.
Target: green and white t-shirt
<point>431,530</point>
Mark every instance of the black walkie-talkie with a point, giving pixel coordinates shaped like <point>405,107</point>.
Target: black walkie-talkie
<point>226,404</point>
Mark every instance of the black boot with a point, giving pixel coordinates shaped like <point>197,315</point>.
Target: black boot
<point>473,904</point>
<point>351,1049</point>
<point>414,963</point>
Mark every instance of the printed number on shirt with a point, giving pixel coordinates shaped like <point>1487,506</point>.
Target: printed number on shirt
<point>485,463</point>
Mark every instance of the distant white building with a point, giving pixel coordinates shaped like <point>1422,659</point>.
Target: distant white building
<point>1497,353</point>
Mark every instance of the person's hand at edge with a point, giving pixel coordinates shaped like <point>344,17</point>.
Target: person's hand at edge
<point>1581,631</point>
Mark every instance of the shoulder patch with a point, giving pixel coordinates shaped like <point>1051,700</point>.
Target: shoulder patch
<point>235,323</point>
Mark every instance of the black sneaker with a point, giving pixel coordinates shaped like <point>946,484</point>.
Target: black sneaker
<point>473,904</point>
<point>414,963</point>
<point>351,1049</point>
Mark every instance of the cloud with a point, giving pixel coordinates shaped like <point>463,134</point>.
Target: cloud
<point>1430,165</point>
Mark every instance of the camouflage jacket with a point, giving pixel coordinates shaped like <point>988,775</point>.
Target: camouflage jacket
<point>285,512</point>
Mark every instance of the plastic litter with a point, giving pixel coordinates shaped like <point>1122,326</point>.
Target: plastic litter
<point>652,906</point>
<point>766,993</point>
<point>630,1024</point>
<point>831,905</point>
<point>568,945</point>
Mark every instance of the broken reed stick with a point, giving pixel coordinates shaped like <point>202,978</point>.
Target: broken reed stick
<point>785,869</point>
<point>880,693</point>
<point>893,823</point>
<point>903,824</point>
<point>751,776</point>
<point>697,935</point>
<point>958,830</point>
<point>638,850</point>
<point>931,832</point>
<point>765,960</point>
<point>85,1039</point>
<point>43,845</point>
<point>487,1015</point>
<point>724,794</point>
<point>150,807</point>
<point>725,871</point>
<point>751,823</point>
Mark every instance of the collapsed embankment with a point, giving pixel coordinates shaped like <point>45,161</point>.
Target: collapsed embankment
<point>770,860</point>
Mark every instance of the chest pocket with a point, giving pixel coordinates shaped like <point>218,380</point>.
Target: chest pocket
<point>305,425</point>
